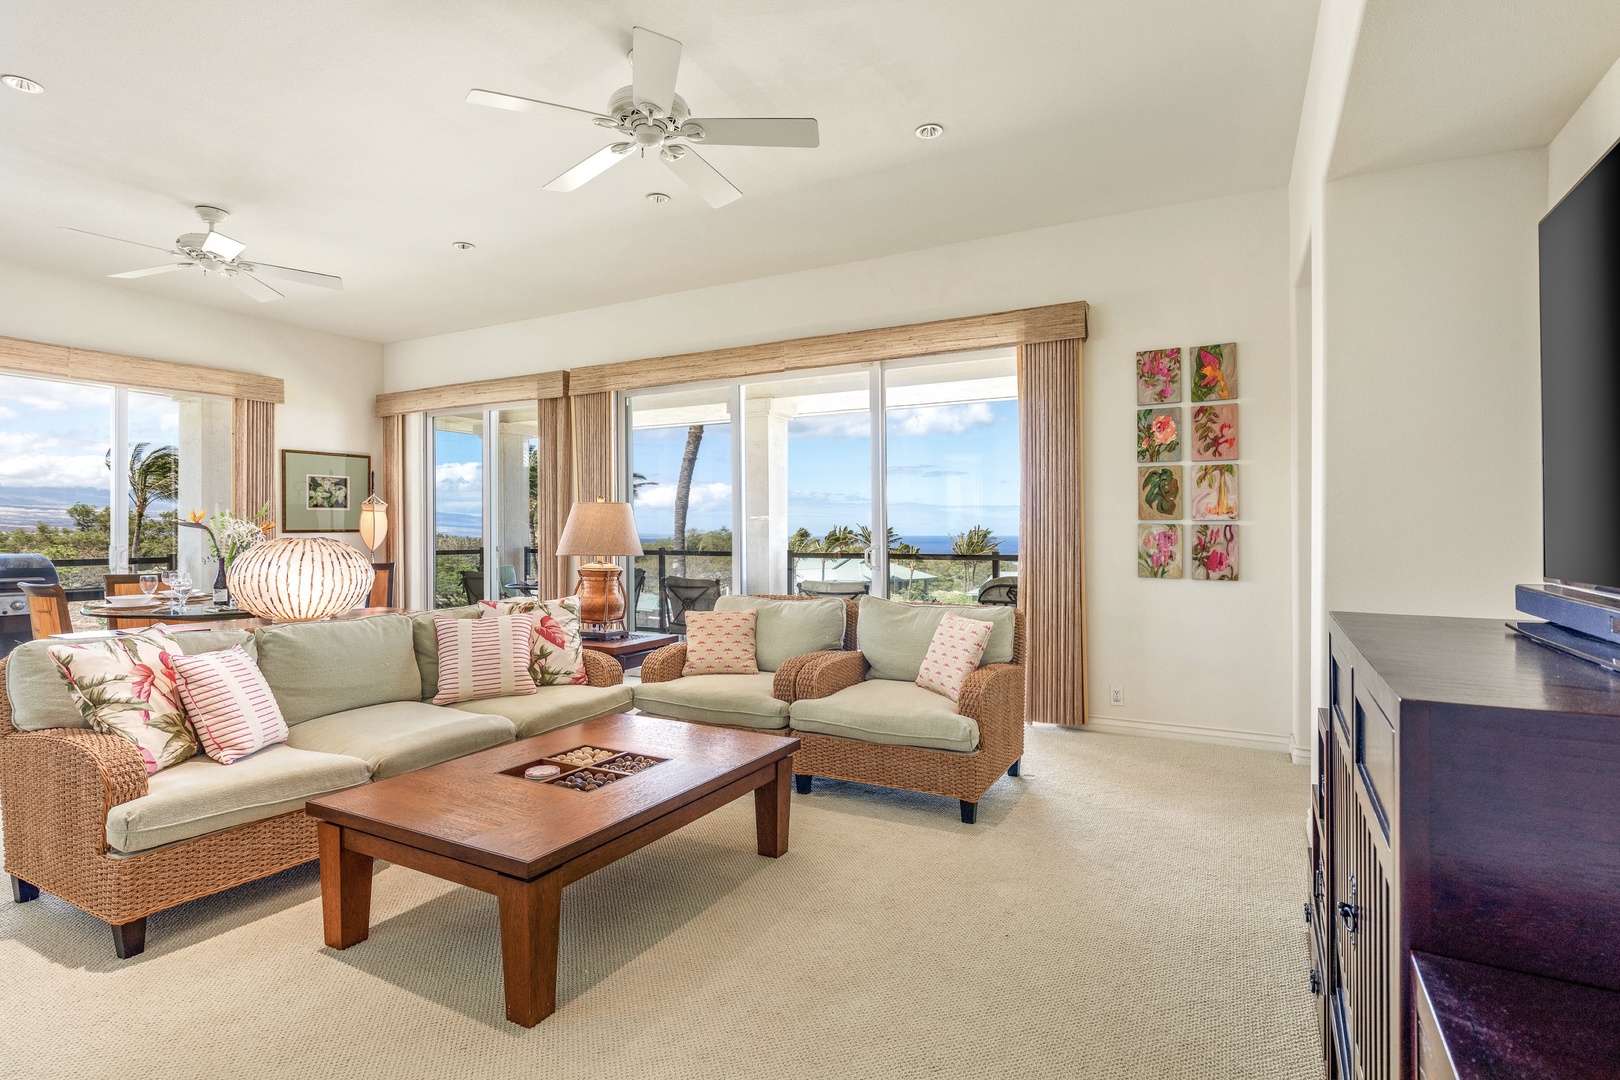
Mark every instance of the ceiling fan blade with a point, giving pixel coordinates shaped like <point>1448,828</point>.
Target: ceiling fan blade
<point>120,239</point>
<point>521,104</point>
<point>704,179</point>
<point>775,131</point>
<point>655,61</point>
<point>219,244</point>
<point>254,287</point>
<point>592,167</point>
<point>308,277</point>
<point>150,270</point>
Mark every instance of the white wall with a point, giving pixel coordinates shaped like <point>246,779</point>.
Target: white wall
<point>1200,658</point>
<point>332,381</point>
<point>1432,491</point>
<point>1589,134</point>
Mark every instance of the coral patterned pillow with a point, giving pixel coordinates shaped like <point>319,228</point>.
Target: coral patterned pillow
<point>483,658</point>
<point>125,686</point>
<point>558,655</point>
<point>720,643</point>
<point>229,703</point>
<point>953,655</point>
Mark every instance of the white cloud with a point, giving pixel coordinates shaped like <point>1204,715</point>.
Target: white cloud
<point>834,426</point>
<point>704,497</point>
<point>42,395</point>
<point>459,476</point>
<point>940,419</point>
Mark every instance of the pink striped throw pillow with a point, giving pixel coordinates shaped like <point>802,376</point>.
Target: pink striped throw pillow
<point>953,655</point>
<point>483,658</point>
<point>720,643</point>
<point>228,703</point>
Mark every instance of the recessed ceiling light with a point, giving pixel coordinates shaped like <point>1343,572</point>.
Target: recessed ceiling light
<point>657,197</point>
<point>17,82</point>
<point>462,245</point>
<point>930,131</point>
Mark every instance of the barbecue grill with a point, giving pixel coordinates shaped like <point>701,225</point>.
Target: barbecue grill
<point>15,627</point>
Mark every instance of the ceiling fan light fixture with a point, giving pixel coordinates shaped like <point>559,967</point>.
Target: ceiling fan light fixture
<point>657,198</point>
<point>930,131</point>
<point>22,84</point>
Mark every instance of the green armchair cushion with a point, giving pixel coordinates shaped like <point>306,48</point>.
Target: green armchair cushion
<point>888,712</point>
<point>895,637</point>
<point>732,700</point>
<point>789,628</point>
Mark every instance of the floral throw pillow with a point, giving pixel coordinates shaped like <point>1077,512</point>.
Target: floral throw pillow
<point>126,686</point>
<point>953,655</point>
<point>720,643</point>
<point>558,655</point>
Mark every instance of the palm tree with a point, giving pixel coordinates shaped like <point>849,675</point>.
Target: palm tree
<point>154,476</point>
<point>978,540</point>
<point>802,540</point>
<point>840,538</point>
<point>683,493</point>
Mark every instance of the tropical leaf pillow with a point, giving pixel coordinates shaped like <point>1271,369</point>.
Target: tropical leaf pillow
<point>558,657</point>
<point>126,686</point>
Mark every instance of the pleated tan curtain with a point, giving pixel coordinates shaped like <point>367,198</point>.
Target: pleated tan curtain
<point>393,488</point>
<point>253,457</point>
<point>593,446</point>
<point>554,496</point>
<point>1051,577</point>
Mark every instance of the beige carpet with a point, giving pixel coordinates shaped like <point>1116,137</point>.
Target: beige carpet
<point>1128,908</point>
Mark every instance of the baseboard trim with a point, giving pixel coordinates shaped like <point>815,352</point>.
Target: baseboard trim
<point>1159,729</point>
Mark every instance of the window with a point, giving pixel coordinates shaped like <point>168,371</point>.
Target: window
<point>477,523</point>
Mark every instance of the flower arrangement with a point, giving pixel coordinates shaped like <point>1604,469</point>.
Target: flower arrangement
<point>230,535</point>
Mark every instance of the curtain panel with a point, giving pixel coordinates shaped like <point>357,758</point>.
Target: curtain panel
<point>253,457</point>
<point>1051,587</point>
<point>554,496</point>
<point>393,491</point>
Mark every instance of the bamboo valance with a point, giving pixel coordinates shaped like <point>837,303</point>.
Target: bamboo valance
<point>1028,326</point>
<point>539,387</point>
<point>87,365</point>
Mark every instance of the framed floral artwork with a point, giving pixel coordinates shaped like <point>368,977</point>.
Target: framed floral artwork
<point>1215,553</point>
<point>1215,432</point>
<point>1158,492</point>
<point>1215,493</point>
<point>1158,376</point>
<point>1158,435</point>
<point>1214,375</point>
<point>1158,551</point>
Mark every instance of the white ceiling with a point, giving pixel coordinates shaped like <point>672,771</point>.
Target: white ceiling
<point>335,132</point>
<point>1439,79</point>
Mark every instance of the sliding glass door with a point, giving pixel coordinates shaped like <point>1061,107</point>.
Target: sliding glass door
<point>482,502</point>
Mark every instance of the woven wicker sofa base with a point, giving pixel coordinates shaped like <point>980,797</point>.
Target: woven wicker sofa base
<point>965,777</point>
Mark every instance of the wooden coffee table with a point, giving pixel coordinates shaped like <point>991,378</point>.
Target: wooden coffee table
<point>477,822</point>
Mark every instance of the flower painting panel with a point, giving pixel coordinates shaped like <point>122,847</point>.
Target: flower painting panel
<point>1158,492</point>
<point>1215,492</point>
<point>1215,432</point>
<point>1158,551</point>
<point>1158,376</point>
<point>1215,553</point>
<point>1214,372</point>
<point>1158,435</point>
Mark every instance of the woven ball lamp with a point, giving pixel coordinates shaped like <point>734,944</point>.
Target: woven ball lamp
<point>300,579</point>
<point>600,530</point>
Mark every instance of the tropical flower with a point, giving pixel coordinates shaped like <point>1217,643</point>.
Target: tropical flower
<point>141,684</point>
<point>1164,429</point>
<point>1215,561</point>
<point>552,631</point>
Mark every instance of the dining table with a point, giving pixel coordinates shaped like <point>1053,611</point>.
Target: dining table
<point>200,616</point>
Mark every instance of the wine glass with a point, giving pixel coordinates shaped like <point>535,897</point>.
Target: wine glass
<point>167,577</point>
<point>149,586</point>
<point>182,591</point>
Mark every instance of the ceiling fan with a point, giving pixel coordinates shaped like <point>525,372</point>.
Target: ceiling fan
<point>653,117</point>
<point>215,253</point>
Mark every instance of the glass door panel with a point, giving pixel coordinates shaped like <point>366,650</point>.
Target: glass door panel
<point>952,478</point>
<point>457,453</point>
<point>515,467</point>
<point>807,464</point>
<point>680,465</point>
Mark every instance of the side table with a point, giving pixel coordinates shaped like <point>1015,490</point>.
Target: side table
<point>631,651</point>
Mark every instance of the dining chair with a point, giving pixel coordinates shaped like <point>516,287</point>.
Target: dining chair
<point>121,585</point>
<point>508,579</point>
<point>48,613</point>
<point>382,585</point>
<point>683,594</point>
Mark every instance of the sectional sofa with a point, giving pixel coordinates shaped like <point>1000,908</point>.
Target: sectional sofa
<point>84,822</point>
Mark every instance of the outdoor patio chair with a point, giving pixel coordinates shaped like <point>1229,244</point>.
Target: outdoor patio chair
<point>844,590</point>
<point>508,579</point>
<point>1000,592</point>
<point>472,583</point>
<point>688,594</point>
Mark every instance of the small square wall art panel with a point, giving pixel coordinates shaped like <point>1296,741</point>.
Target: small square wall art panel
<point>1158,492</point>
<point>1215,493</point>
<point>1214,372</point>
<point>1158,435</point>
<point>1158,376</point>
<point>1158,551</point>
<point>1214,432</point>
<point>1215,553</point>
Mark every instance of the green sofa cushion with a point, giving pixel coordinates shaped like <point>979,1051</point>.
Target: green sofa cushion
<point>426,644</point>
<point>398,736</point>
<point>789,628</point>
<point>894,637</point>
<point>192,642</point>
<point>326,667</point>
<point>201,796</point>
<point>732,700</point>
<point>553,706</point>
<point>889,712</point>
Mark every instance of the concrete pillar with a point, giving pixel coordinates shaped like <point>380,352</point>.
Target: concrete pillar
<point>765,480</point>
<point>205,477</point>
<point>511,500</point>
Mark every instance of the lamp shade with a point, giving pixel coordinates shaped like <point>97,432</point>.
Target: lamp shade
<point>600,528</point>
<point>373,522</point>
<point>300,579</point>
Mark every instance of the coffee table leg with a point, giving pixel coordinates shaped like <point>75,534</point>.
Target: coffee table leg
<point>345,889</point>
<point>771,803</point>
<point>530,911</point>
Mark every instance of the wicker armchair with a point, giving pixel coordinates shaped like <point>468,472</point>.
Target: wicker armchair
<point>56,788</point>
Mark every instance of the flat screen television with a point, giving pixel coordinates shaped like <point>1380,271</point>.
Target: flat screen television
<point>1580,382</point>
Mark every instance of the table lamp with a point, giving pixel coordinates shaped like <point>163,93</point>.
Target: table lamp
<point>601,530</point>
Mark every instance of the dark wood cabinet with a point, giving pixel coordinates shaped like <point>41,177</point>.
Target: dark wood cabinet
<point>1466,804</point>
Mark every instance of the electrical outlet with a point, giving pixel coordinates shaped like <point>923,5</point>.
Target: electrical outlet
<point>1116,695</point>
